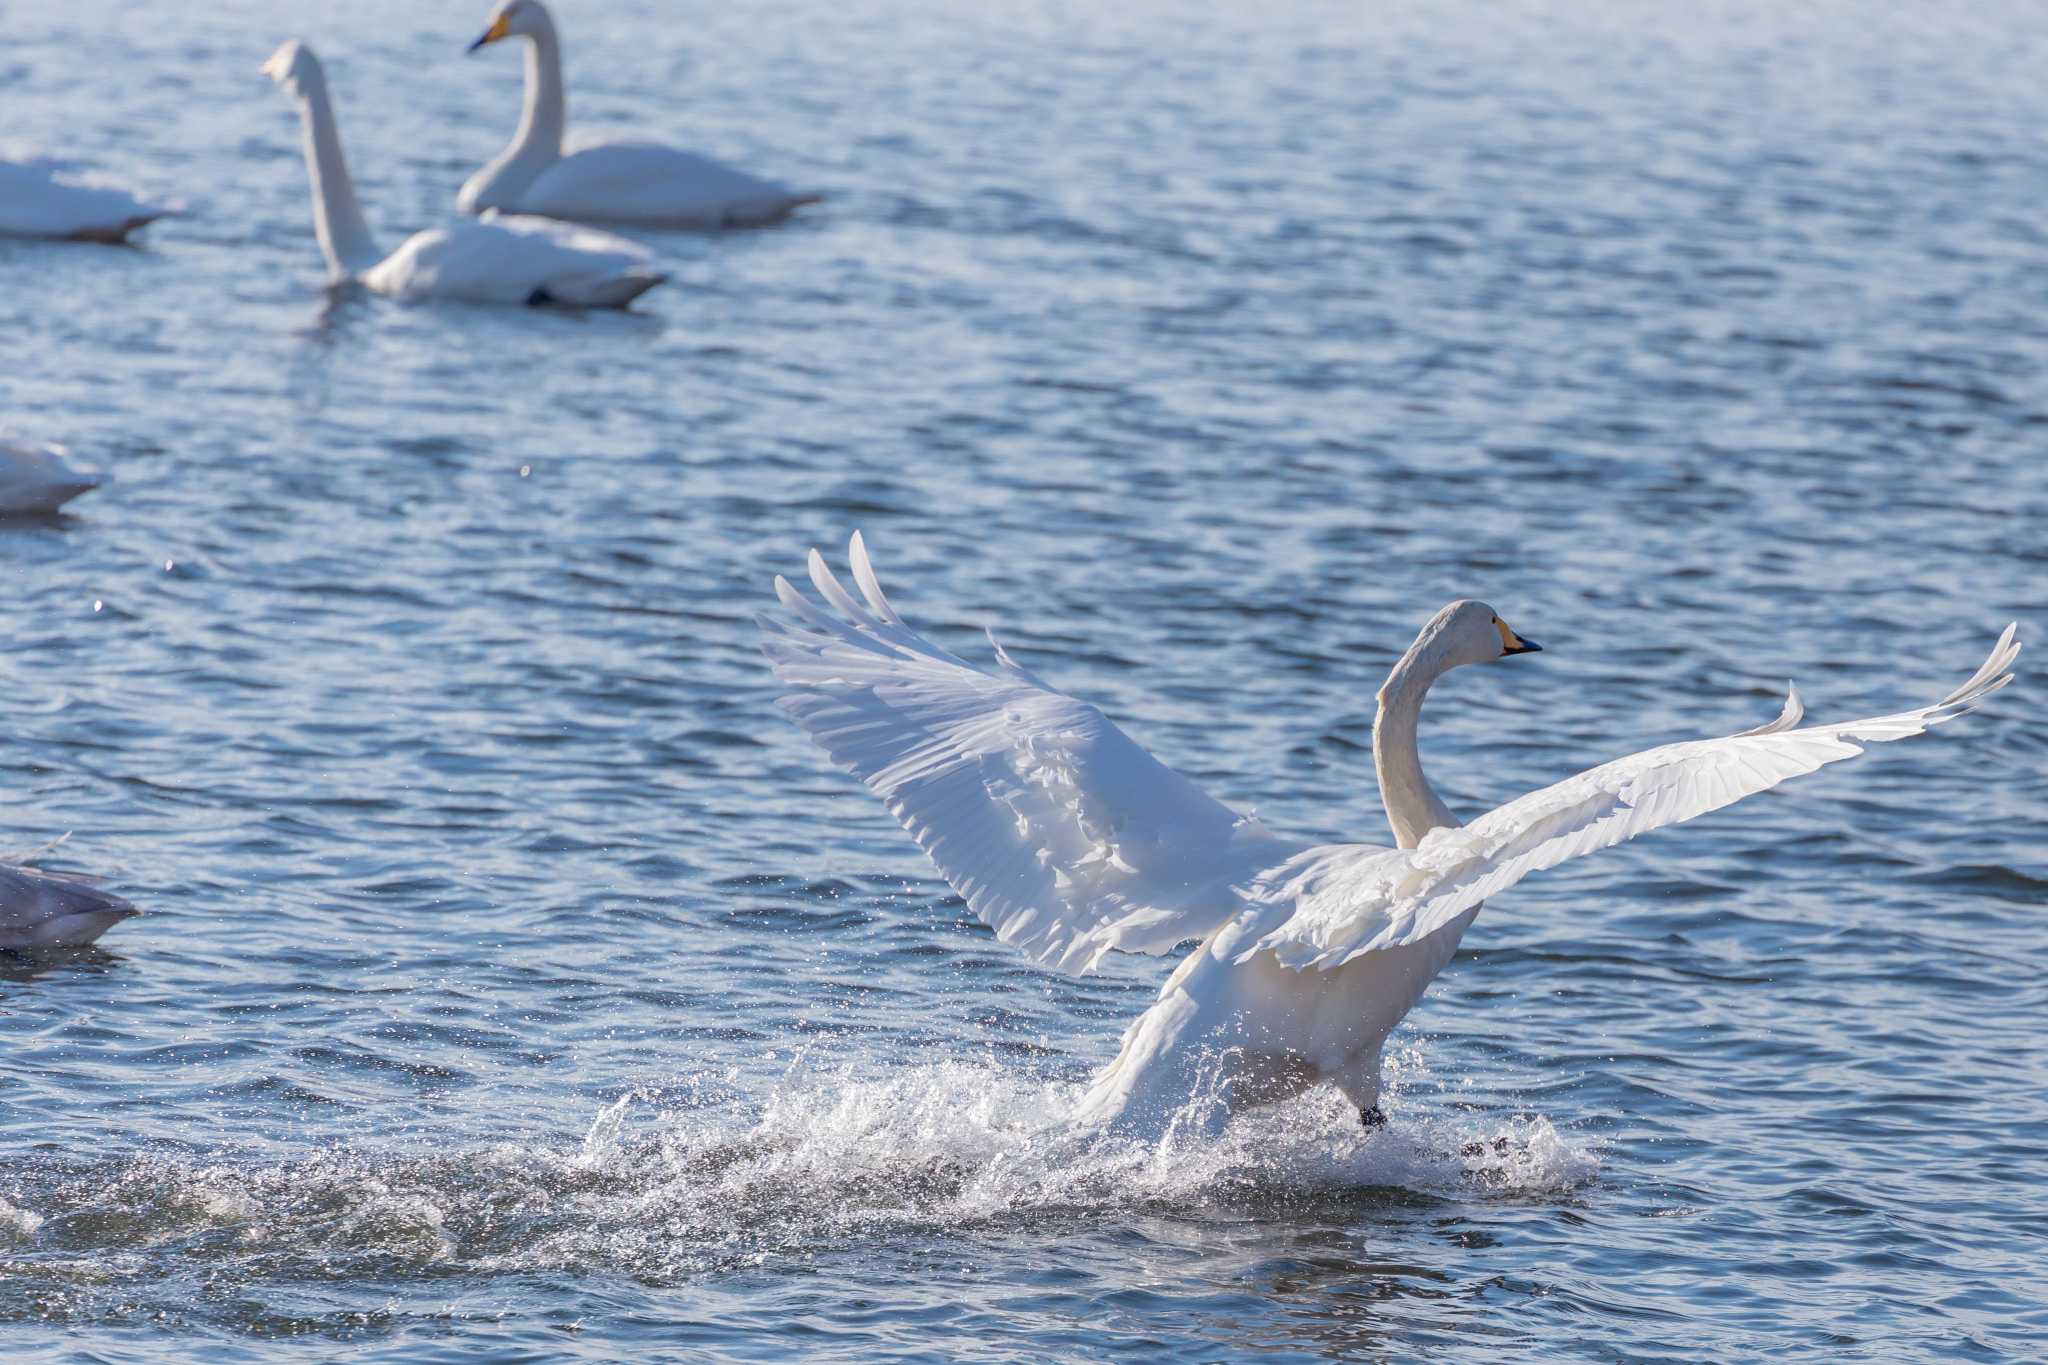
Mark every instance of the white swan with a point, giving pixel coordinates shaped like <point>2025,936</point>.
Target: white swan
<point>499,260</point>
<point>37,478</point>
<point>38,200</point>
<point>41,909</point>
<point>618,182</point>
<point>1070,840</point>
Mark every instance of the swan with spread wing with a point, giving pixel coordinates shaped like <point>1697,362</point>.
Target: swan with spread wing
<point>1070,840</point>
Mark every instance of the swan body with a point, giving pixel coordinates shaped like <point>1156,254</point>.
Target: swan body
<point>1070,840</point>
<point>642,183</point>
<point>38,200</point>
<point>40,909</point>
<point>37,479</point>
<point>499,259</point>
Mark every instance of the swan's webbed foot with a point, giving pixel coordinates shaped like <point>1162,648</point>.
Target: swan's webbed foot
<point>1372,1117</point>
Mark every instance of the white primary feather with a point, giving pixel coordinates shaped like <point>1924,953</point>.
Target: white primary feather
<point>1350,901</point>
<point>1067,838</point>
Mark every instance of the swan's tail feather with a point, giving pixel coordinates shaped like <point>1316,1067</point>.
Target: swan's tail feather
<point>113,234</point>
<point>619,292</point>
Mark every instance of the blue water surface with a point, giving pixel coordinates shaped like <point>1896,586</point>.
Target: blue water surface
<point>518,985</point>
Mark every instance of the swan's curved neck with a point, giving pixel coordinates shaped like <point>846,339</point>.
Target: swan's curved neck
<point>546,114</point>
<point>337,219</point>
<point>1413,807</point>
<point>537,144</point>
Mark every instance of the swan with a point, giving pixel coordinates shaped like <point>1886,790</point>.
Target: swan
<point>1070,840</point>
<point>41,909</point>
<point>620,182</point>
<point>37,479</point>
<point>38,200</point>
<point>497,260</point>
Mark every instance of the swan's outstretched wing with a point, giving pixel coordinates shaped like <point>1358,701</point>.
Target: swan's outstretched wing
<point>1351,902</point>
<point>1067,838</point>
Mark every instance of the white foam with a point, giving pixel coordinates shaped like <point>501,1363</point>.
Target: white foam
<point>668,1182</point>
<point>17,1225</point>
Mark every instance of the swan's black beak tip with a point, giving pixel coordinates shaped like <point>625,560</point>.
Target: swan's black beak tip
<point>1511,643</point>
<point>477,44</point>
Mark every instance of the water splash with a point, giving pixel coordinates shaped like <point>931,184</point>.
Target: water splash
<point>665,1188</point>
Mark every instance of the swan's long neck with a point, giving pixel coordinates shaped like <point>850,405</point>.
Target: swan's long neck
<point>337,219</point>
<point>1413,807</point>
<point>546,114</point>
<point>537,144</point>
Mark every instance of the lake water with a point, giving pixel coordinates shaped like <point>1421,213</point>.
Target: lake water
<point>517,984</point>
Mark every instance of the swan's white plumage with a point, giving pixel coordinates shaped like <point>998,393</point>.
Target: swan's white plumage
<point>37,478</point>
<point>1070,840</point>
<point>497,259</point>
<point>40,909</point>
<point>37,199</point>
<point>1063,835</point>
<point>1352,901</point>
<point>516,259</point>
<point>637,182</point>
<point>651,185</point>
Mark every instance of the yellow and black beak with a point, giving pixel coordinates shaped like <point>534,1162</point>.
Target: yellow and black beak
<point>500,26</point>
<point>1511,643</point>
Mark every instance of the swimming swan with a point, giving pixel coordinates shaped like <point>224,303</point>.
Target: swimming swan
<point>36,479</point>
<point>618,182</point>
<point>37,200</point>
<point>1070,840</point>
<point>41,909</point>
<point>499,260</point>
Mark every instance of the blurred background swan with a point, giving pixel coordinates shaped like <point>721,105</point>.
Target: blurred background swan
<point>506,260</point>
<point>624,182</point>
<point>42,909</point>
<point>37,478</point>
<point>1070,840</point>
<point>38,199</point>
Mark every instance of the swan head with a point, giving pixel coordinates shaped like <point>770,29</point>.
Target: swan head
<point>513,18</point>
<point>294,67</point>
<point>1468,632</point>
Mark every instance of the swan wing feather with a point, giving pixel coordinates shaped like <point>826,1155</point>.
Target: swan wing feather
<point>41,909</point>
<point>645,182</point>
<point>508,259</point>
<point>1351,902</point>
<point>1062,834</point>
<point>37,201</point>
